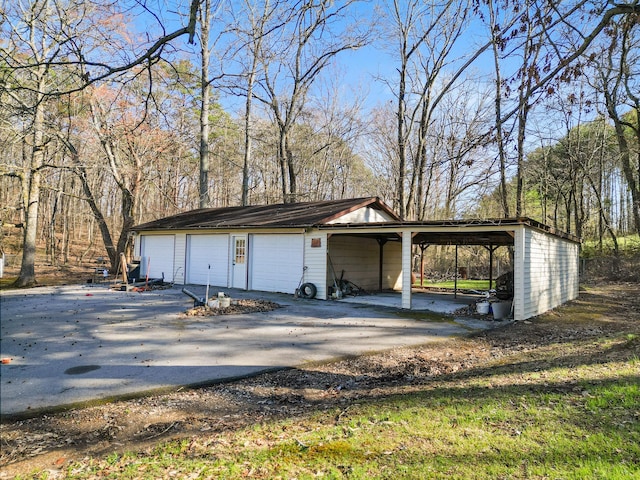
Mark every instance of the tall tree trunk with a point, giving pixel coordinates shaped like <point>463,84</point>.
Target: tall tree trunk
<point>421,191</point>
<point>256,47</point>
<point>530,54</point>
<point>291,172</point>
<point>55,211</point>
<point>247,135</point>
<point>500,140</point>
<point>31,193</point>
<point>522,125</point>
<point>128,220</point>
<point>205,93</point>
<point>402,150</point>
<point>81,172</point>
<point>130,197</point>
<point>282,161</point>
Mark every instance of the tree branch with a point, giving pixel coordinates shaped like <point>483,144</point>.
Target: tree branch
<point>151,55</point>
<point>616,10</point>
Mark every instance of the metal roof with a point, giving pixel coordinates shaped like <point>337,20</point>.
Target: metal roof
<point>320,214</point>
<point>286,215</point>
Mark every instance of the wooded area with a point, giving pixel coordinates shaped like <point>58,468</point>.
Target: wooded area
<point>114,114</point>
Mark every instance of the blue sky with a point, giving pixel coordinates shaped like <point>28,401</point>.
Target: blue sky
<point>360,69</point>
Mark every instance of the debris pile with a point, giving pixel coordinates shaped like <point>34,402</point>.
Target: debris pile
<point>467,311</point>
<point>236,307</point>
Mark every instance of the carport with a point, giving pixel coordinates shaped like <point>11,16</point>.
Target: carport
<point>278,248</point>
<point>545,260</point>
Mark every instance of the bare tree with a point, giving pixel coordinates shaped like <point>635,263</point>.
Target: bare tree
<point>617,78</point>
<point>497,45</point>
<point>81,40</point>
<point>567,30</point>
<point>550,40</point>
<point>50,50</point>
<point>382,151</point>
<point>427,33</point>
<point>313,34</point>
<point>207,13</point>
<point>205,99</point>
<point>33,46</point>
<point>524,44</point>
<point>260,24</point>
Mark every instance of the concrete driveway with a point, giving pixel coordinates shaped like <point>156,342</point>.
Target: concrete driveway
<point>73,344</point>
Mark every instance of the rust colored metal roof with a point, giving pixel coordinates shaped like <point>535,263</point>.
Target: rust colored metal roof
<point>286,215</point>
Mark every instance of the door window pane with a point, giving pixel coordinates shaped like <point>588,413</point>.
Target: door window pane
<point>240,250</point>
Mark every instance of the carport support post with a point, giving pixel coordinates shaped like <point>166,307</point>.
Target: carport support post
<point>491,249</point>
<point>423,247</point>
<point>407,241</point>
<point>455,277</point>
<point>381,242</point>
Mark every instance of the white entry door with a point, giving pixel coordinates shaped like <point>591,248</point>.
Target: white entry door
<point>239,261</point>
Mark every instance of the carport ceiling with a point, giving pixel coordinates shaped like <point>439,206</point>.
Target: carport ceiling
<point>490,232</point>
<point>446,238</point>
<point>464,238</point>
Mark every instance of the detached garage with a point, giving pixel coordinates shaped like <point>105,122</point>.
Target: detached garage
<point>276,247</point>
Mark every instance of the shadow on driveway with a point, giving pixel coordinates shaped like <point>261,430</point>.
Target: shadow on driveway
<point>74,344</point>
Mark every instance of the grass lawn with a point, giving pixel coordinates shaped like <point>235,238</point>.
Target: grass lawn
<point>570,423</point>
<point>507,421</point>
<point>556,397</point>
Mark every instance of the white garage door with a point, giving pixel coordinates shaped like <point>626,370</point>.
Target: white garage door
<point>158,250</point>
<point>204,251</point>
<point>276,262</point>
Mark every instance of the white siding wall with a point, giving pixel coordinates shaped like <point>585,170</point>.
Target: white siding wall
<point>179,259</point>
<point>549,274</point>
<point>521,271</point>
<point>315,259</point>
<point>392,266</point>
<point>359,257</point>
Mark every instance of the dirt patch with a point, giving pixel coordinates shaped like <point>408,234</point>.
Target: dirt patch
<point>236,307</point>
<point>610,312</point>
<point>611,267</point>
